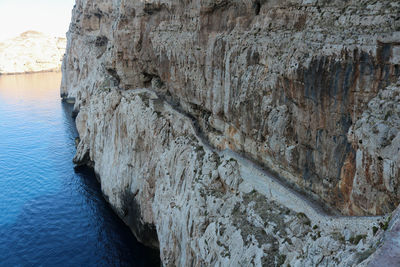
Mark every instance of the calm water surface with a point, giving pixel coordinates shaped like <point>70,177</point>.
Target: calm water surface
<point>50,215</point>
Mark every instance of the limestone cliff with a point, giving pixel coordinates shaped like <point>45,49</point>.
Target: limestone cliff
<point>31,52</point>
<point>183,103</point>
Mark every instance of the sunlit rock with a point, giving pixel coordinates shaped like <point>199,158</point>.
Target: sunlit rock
<point>31,52</point>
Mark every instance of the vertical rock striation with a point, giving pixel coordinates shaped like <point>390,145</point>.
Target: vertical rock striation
<point>308,89</point>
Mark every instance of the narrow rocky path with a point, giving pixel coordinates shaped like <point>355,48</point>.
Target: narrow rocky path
<point>274,189</point>
<point>256,178</point>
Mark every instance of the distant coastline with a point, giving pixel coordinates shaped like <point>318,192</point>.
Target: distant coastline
<point>31,72</point>
<point>31,52</point>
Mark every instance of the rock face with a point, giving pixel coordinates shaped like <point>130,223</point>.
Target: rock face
<point>308,89</point>
<point>31,52</point>
<point>201,207</point>
<point>388,253</point>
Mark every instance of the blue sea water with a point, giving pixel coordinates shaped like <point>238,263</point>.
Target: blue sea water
<point>51,215</point>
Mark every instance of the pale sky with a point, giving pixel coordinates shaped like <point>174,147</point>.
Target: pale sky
<point>48,16</point>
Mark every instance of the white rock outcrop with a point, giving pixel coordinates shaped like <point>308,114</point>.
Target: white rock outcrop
<point>31,52</point>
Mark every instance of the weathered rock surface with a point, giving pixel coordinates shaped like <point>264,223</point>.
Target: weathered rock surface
<point>308,89</point>
<point>377,135</point>
<point>282,82</point>
<point>201,207</point>
<point>388,253</point>
<point>31,52</point>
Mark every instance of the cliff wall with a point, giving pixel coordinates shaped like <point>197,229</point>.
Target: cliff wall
<point>285,83</point>
<point>31,52</point>
<point>308,89</point>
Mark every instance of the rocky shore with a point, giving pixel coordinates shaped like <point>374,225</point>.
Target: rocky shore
<point>31,52</point>
<point>239,133</point>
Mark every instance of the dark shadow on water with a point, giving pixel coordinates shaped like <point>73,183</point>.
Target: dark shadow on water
<point>51,215</point>
<point>142,256</point>
<point>57,230</point>
<point>70,223</point>
<point>69,121</point>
